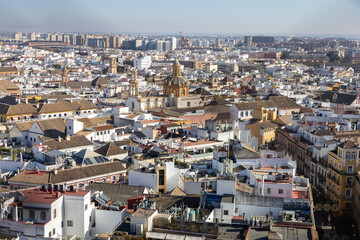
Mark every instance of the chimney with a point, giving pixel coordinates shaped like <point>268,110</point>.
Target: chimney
<point>67,137</point>
<point>59,139</point>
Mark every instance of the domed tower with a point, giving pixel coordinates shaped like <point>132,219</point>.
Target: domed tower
<point>176,84</point>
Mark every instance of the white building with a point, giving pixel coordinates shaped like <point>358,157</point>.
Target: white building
<point>44,213</point>
<point>142,63</point>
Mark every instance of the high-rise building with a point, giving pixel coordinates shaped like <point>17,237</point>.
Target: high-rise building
<point>32,36</point>
<point>17,36</point>
<point>159,45</point>
<point>66,39</point>
<point>248,41</point>
<point>115,42</point>
<point>263,39</point>
<point>218,42</point>
<point>173,43</point>
<point>166,46</point>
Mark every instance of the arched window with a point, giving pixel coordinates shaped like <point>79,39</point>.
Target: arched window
<point>54,213</point>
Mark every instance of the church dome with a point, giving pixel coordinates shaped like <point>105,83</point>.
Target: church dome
<point>176,79</point>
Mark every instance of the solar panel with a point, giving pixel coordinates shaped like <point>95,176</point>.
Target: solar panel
<point>100,201</point>
<point>87,161</point>
<point>104,197</point>
<point>98,159</point>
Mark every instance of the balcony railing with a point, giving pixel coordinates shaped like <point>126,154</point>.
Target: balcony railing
<point>332,178</point>
<point>349,184</point>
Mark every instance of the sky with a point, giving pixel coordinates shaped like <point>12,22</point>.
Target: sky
<point>276,17</point>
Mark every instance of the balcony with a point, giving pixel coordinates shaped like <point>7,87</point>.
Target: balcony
<point>349,184</point>
<point>348,196</point>
<point>332,178</point>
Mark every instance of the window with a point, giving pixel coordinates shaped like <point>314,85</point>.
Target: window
<point>268,191</point>
<point>70,223</point>
<point>103,180</point>
<point>32,214</point>
<point>69,127</point>
<point>348,192</point>
<point>26,137</point>
<point>350,169</point>
<point>54,213</point>
<point>226,212</point>
<point>281,191</point>
<point>161,177</point>
<point>53,231</point>
<point>188,104</point>
<point>43,215</point>
<point>50,234</point>
<point>86,207</point>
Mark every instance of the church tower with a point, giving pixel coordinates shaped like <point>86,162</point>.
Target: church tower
<point>176,84</point>
<point>214,81</point>
<point>113,65</point>
<point>64,76</point>
<point>134,86</point>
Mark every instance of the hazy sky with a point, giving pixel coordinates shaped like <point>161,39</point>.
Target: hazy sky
<point>189,16</point>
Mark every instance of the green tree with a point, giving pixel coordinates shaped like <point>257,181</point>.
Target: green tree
<point>333,56</point>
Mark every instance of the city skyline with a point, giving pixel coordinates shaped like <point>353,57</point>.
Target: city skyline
<point>233,17</point>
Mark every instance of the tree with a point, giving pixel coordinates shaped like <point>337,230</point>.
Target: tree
<point>333,56</point>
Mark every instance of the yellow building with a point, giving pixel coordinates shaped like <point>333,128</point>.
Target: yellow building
<point>176,84</point>
<point>342,168</point>
<point>264,132</point>
<point>264,115</point>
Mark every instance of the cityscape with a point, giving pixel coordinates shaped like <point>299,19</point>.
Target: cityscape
<point>192,120</point>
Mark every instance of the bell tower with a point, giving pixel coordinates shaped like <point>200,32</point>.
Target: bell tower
<point>214,81</point>
<point>113,65</point>
<point>134,86</point>
<point>64,76</point>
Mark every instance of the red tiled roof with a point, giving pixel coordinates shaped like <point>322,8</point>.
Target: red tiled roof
<point>299,194</point>
<point>103,128</point>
